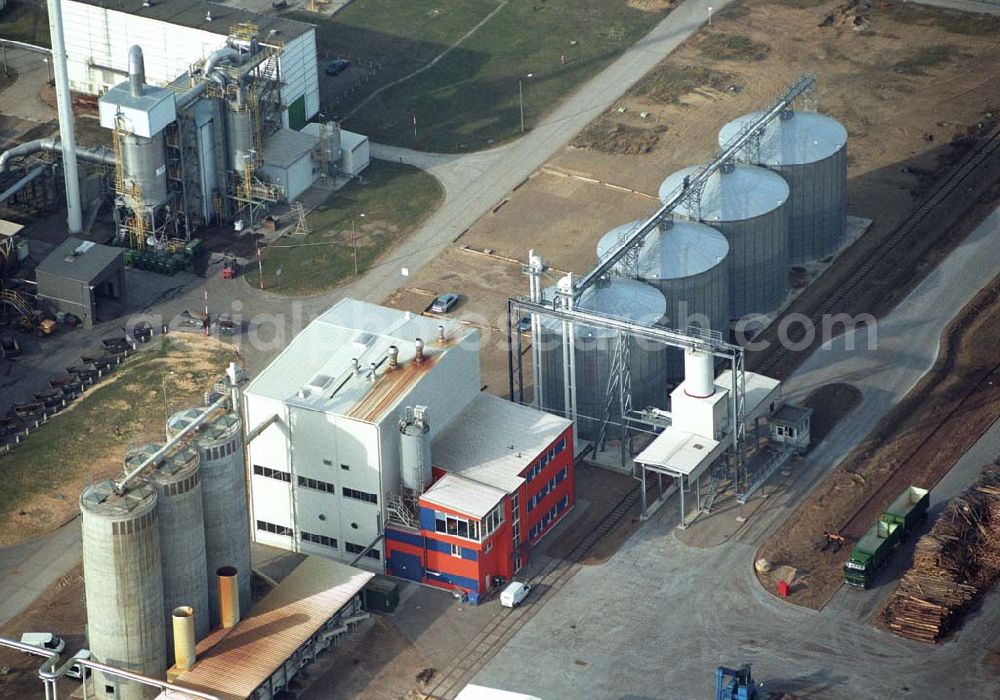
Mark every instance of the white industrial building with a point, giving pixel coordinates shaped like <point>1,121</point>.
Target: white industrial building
<point>174,34</point>
<point>328,460</point>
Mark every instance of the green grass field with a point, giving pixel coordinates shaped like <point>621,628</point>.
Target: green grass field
<point>395,200</point>
<point>470,99</point>
<point>23,21</point>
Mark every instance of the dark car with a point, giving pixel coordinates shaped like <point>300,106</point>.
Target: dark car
<point>338,66</point>
<point>444,303</point>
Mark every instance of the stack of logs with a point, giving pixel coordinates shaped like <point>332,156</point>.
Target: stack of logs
<point>952,566</point>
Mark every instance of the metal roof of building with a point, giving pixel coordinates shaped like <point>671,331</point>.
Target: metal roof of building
<point>684,249</point>
<point>681,452</point>
<point>796,138</point>
<point>80,260</point>
<point>790,414</point>
<point>481,692</point>
<point>233,663</point>
<point>744,193</point>
<point>9,228</point>
<point>316,371</point>
<point>619,297</point>
<point>759,391</point>
<point>285,147</point>
<point>464,496</point>
<point>493,440</point>
<point>194,13</point>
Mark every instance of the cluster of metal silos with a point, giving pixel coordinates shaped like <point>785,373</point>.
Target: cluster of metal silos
<point>156,545</point>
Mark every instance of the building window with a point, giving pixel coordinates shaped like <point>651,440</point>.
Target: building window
<point>274,529</point>
<point>345,467</point>
<point>328,462</point>
<point>456,526</point>
<point>272,473</point>
<point>456,550</point>
<point>358,549</point>
<point>317,485</point>
<point>319,539</point>
<point>493,520</point>
<point>360,495</point>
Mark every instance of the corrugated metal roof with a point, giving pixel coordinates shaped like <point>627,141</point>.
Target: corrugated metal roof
<point>285,147</point>
<point>798,139</point>
<point>684,249</point>
<point>466,496</point>
<point>493,440</point>
<point>619,297</point>
<point>193,13</point>
<point>744,193</point>
<point>315,370</point>
<point>65,261</point>
<point>245,656</point>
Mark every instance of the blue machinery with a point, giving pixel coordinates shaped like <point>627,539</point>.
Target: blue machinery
<point>734,684</point>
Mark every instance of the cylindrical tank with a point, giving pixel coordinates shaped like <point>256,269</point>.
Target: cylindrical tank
<point>184,637</point>
<point>699,374</point>
<point>810,151</point>
<point>182,532</point>
<point>228,584</point>
<point>144,163</point>
<point>239,135</point>
<point>687,262</point>
<point>224,500</point>
<point>747,205</point>
<point>415,449</point>
<point>124,586</point>
<point>595,348</point>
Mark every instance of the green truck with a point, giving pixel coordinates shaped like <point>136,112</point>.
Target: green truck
<point>895,523</point>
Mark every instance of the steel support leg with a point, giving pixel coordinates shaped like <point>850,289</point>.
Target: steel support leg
<point>643,487</point>
<point>680,481</point>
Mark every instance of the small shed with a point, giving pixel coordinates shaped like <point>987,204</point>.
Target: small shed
<point>354,153</point>
<point>790,426</point>
<point>78,275</point>
<point>288,161</point>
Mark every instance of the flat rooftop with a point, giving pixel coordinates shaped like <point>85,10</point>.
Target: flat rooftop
<point>286,146</point>
<point>233,663</point>
<point>193,13</point>
<point>79,260</point>
<point>317,371</point>
<point>682,453</point>
<point>493,440</point>
<point>759,390</point>
<point>462,495</point>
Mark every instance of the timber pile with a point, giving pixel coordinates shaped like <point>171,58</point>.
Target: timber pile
<point>953,565</point>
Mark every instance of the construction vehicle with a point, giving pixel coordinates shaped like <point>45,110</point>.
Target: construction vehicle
<point>37,324</point>
<point>735,684</point>
<point>896,522</point>
<point>230,267</point>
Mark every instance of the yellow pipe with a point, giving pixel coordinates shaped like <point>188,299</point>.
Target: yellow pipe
<point>229,597</point>
<point>183,621</point>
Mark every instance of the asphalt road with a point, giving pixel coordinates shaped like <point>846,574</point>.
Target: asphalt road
<point>655,619</point>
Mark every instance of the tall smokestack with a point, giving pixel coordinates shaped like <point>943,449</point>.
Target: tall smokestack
<point>74,213</point>
<point>136,71</point>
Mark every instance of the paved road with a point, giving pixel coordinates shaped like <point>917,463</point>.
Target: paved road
<point>655,619</point>
<point>31,567</point>
<point>988,7</point>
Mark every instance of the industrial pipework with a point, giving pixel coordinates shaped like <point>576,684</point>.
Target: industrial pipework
<point>94,154</point>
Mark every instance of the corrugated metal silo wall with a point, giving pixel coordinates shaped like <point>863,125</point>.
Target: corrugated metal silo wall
<point>758,261</point>
<point>125,623</point>
<point>817,220</point>
<point>648,369</point>
<point>690,302</point>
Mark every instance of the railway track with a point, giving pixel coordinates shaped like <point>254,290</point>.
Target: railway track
<point>961,173</point>
<point>506,623</point>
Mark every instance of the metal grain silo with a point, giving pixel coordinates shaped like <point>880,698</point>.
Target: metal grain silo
<point>810,151</point>
<point>182,532</point>
<point>687,262</point>
<point>124,586</point>
<point>747,205</point>
<point>415,449</point>
<point>219,441</point>
<point>595,347</point>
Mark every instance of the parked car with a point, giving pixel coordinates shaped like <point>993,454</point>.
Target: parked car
<point>514,594</point>
<point>44,640</point>
<point>76,670</point>
<point>444,303</point>
<point>337,66</point>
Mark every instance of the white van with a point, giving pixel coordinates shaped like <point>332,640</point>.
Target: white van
<point>44,640</point>
<point>514,593</point>
<point>76,670</point>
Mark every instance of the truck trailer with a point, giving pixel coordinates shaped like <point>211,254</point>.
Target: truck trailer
<point>908,509</point>
<point>896,522</point>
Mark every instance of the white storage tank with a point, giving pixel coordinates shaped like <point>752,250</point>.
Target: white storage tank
<point>595,347</point>
<point>747,205</point>
<point>810,151</point>
<point>124,587</point>
<point>219,441</point>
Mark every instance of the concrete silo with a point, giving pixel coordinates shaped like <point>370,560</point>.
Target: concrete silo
<point>810,151</point>
<point>219,441</point>
<point>177,481</point>
<point>747,205</point>
<point>595,347</point>
<point>121,572</point>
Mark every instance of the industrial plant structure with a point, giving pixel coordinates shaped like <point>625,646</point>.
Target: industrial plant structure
<point>370,420</point>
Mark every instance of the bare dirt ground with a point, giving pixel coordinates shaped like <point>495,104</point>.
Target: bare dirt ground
<point>916,443</point>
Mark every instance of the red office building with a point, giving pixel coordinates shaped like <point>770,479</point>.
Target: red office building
<point>503,477</point>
